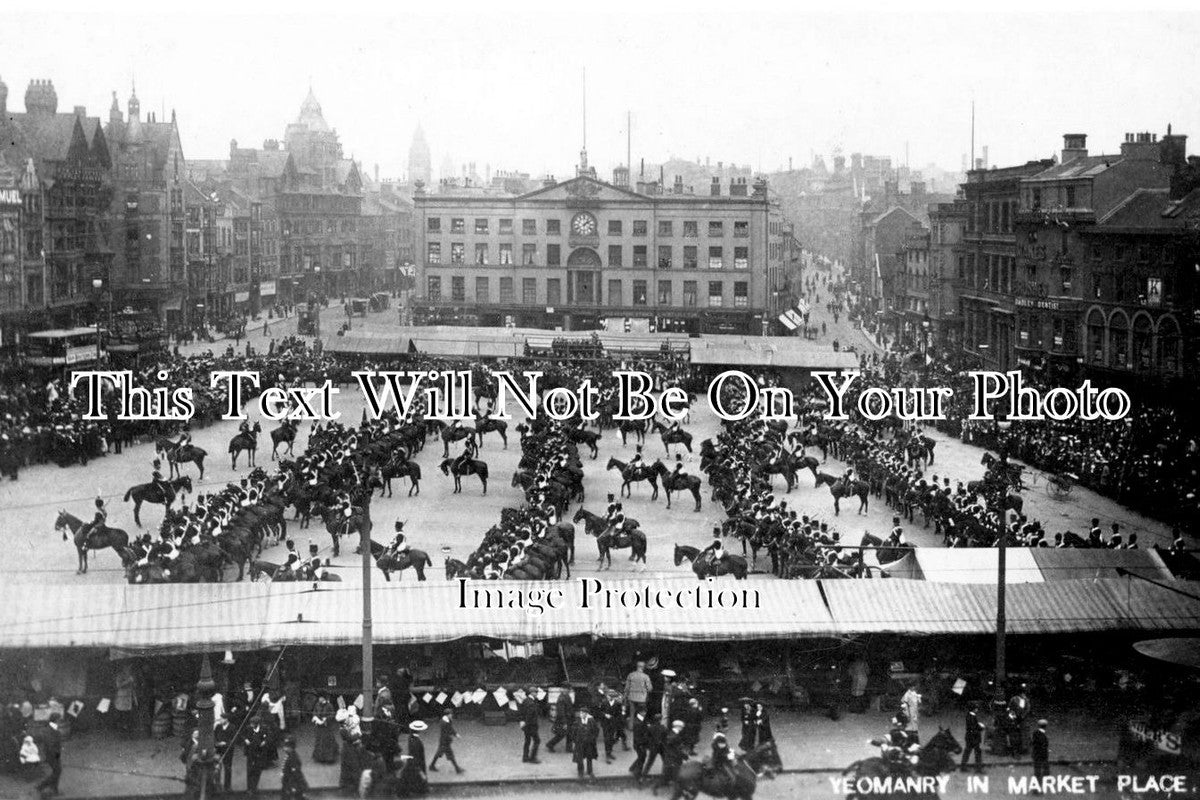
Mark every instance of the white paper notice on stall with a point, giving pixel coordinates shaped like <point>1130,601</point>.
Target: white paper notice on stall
<point>441,698</point>
<point>501,696</point>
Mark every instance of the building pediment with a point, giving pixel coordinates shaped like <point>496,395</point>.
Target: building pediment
<point>584,192</point>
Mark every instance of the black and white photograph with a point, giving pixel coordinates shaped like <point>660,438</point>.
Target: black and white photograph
<point>529,400</point>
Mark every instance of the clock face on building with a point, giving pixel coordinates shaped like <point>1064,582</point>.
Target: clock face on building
<point>584,225</point>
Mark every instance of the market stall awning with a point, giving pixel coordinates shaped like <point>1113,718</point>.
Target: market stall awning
<point>910,606</point>
<point>368,344</point>
<point>967,565</point>
<point>1085,563</point>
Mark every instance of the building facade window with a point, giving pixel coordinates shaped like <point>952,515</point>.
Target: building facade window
<point>553,291</point>
<point>529,291</point>
<point>458,225</point>
<point>507,295</point>
<point>529,227</point>
<point>689,257</point>
<point>666,227</point>
<point>716,229</point>
<point>664,256</point>
<point>458,288</point>
<point>481,225</point>
<point>639,227</point>
<point>614,255</point>
<point>528,254</point>
<point>434,254</point>
<point>458,252</point>
<point>614,227</point>
<point>716,294</point>
<point>639,293</point>
<point>615,294</point>
<point>481,254</point>
<point>741,258</point>
<point>506,227</point>
<point>741,294</point>
<point>506,254</point>
<point>433,288</point>
<point>481,290</point>
<point>553,255</point>
<point>434,225</point>
<point>554,227</point>
<point>689,294</point>
<point>741,229</point>
<point>716,259</point>
<point>639,255</point>
<point>664,293</point>
<point>691,229</point>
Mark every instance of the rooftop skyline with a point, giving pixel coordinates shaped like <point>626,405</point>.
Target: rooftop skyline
<point>507,89</point>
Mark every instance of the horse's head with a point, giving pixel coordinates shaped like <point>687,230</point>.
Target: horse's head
<point>612,464</point>
<point>185,483</point>
<point>678,555</point>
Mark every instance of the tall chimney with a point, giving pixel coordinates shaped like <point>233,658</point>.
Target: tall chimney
<point>1074,146</point>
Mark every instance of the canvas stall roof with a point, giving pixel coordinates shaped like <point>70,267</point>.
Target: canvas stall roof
<point>1101,605</point>
<point>481,348</point>
<point>181,618</point>
<point>774,351</point>
<point>1086,563</point>
<point>368,344</point>
<point>912,607</point>
<point>969,565</point>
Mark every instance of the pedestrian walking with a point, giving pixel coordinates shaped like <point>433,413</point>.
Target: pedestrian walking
<point>641,743</point>
<point>585,733</point>
<point>446,737</point>
<point>637,689</point>
<point>325,747</point>
<point>292,781</point>
<point>413,780</point>
<point>973,739</point>
<point>910,704</point>
<point>658,733</point>
<point>1040,746</point>
<point>50,748</point>
<point>674,753</point>
<point>529,726</point>
<point>223,733</point>
<point>563,722</point>
<point>258,753</point>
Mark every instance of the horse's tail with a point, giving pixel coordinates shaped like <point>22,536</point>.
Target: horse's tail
<point>128,492</point>
<point>428,560</point>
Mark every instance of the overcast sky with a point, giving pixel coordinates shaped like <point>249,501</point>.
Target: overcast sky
<point>504,87</point>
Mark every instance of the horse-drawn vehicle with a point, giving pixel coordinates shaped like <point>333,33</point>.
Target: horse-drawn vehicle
<point>1059,485</point>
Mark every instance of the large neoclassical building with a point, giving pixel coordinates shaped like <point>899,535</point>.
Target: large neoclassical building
<point>584,253</point>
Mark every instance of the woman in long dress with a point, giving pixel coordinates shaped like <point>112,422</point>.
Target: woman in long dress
<point>325,750</point>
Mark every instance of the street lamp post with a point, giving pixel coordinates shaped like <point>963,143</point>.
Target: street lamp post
<point>205,687</point>
<point>98,287</point>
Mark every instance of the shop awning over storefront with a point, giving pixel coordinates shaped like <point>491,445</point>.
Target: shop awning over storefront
<point>368,344</point>
<point>182,618</point>
<point>1025,565</point>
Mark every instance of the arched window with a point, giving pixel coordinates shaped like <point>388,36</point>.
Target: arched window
<point>1143,341</point>
<point>1095,337</point>
<point>1118,340</point>
<point>1168,344</point>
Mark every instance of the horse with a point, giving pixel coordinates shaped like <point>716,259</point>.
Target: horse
<point>245,440</point>
<point>631,475</point>
<point>454,435</point>
<point>468,467</point>
<point>780,466</point>
<point>594,525</point>
<point>934,758</point>
<point>339,525</point>
<point>611,540</point>
<point>399,468</point>
<point>677,482</point>
<point>388,563</point>
<point>635,426</point>
<point>455,568</point>
<point>284,434</point>
<point>670,437</point>
<point>115,538</point>
<point>587,438</point>
<point>859,489</point>
<point>162,494</point>
<point>705,568</point>
<point>884,553</point>
<point>182,455</point>
<point>693,778</point>
<point>487,425</point>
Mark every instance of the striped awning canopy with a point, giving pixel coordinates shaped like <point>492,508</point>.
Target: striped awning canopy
<point>247,616</point>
